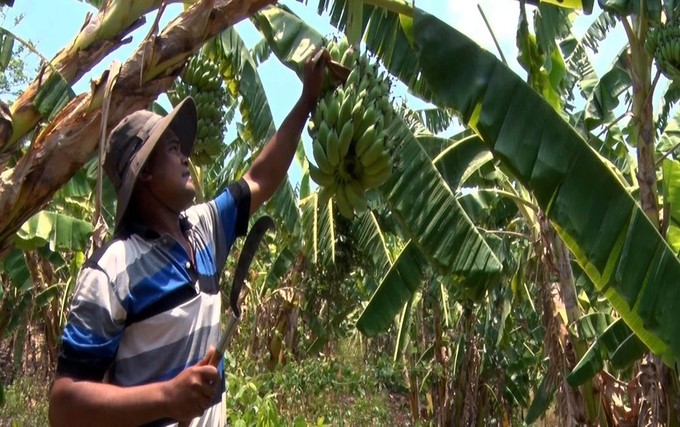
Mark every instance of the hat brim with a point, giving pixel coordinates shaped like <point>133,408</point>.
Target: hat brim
<point>182,120</point>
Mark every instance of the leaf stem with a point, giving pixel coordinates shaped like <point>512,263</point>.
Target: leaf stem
<point>493,36</point>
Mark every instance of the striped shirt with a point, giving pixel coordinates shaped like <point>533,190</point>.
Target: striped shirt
<point>143,311</point>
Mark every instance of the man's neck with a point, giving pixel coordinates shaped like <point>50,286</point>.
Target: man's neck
<point>158,217</point>
<point>162,222</point>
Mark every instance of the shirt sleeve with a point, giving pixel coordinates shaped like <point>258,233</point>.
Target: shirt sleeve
<point>90,339</point>
<point>234,204</point>
<point>223,219</point>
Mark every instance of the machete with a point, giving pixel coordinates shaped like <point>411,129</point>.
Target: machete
<point>255,236</point>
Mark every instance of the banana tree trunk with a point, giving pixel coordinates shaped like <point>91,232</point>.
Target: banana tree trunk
<point>593,409</point>
<point>71,138</point>
<point>643,124</point>
<point>653,375</point>
<point>99,36</point>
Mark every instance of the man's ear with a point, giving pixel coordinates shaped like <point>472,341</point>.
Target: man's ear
<point>144,175</point>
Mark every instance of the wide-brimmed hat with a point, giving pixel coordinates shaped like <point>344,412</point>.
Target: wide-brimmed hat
<point>134,138</point>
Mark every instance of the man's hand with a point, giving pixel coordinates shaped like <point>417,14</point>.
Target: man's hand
<point>191,392</point>
<point>313,78</point>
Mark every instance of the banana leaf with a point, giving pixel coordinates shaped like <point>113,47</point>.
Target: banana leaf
<point>607,232</point>
<point>671,197</point>
<point>435,119</point>
<point>585,5</point>
<point>277,273</point>
<point>16,268</point>
<point>6,45</point>
<point>605,96</point>
<point>592,325</point>
<point>425,206</point>
<point>456,163</point>
<point>617,344</point>
<point>670,98</point>
<point>319,226</point>
<point>53,95</point>
<point>397,287</point>
<point>416,193</point>
<point>403,336</point>
<point>240,72</point>
<point>632,7</point>
<point>284,205</point>
<point>58,231</point>
<point>551,23</point>
<point>370,240</point>
<point>543,396</point>
<point>383,36</point>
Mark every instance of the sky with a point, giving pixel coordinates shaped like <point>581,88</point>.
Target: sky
<point>52,24</point>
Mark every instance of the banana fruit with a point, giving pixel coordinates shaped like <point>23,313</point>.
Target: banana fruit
<point>350,144</point>
<point>202,80</point>
<point>663,42</point>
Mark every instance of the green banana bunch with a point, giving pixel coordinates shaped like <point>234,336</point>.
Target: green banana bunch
<point>202,81</point>
<point>664,43</point>
<point>350,144</point>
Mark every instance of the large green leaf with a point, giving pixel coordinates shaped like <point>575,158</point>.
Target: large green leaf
<point>652,8</point>
<point>16,268</point>
<point>290,38</point>
<point>398,287</point>
<point>457,162</point>
<point>383,35</point>
<point>543,396</point>
<point>578,61</point>
<point>284,205</point>
<point>319,226</point>
<point>435,119</point>
<point>598,30</point>
<point>551,23</point>
<point>240,70</point>
<point>617,344</point>
<point>369,239</point>
<point>53,95</point>
<point>387,37</point>
<point>671,195</point>
<point>403,336</point>
<point>609,235</point>
<point>416,193</point>
<point>280,267</point>
<point>670,98</point>
<point>425,206</point>
<point>6,45</point>
<point>605,96</point>
<point>59,231</point>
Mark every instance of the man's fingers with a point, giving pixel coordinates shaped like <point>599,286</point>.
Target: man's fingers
<point>319,57</point>
<point>207,357</point>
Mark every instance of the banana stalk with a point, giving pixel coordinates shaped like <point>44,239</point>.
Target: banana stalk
<point>71,138</point>
<point>99,35</point>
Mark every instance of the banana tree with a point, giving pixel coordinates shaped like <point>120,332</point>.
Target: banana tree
<point>71,137</point>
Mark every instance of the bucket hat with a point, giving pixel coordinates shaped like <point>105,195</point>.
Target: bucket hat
<point>134,138</point>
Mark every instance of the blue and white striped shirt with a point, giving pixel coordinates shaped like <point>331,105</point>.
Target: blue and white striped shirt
<point>142,311</point>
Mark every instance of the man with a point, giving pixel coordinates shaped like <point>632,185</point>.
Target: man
<point>145,315</point>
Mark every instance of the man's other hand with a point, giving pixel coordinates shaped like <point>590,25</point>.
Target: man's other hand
<point>191,392</point>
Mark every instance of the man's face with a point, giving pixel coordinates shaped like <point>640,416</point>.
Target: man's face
<point>168,172</point>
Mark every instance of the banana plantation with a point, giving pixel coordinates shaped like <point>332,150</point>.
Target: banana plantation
<point>508,250</point>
